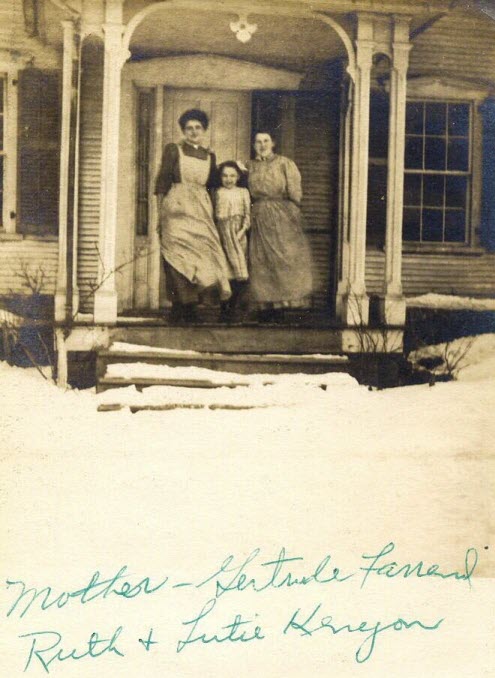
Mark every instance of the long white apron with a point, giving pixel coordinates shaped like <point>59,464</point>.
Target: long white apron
<point>189,238</point>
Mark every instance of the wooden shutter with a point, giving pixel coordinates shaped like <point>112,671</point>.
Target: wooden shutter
<point>308,132</point>
<point>39,151</point>
<point>487,230</point>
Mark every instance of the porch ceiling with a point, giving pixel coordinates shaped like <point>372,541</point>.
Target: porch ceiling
<point>293,43</point>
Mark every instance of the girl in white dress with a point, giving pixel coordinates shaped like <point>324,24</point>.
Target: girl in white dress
<point>233,218</point>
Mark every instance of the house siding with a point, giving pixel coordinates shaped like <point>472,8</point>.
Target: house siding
<point>460,45</point>
<point>25,256</point>
<point>465,275</point>
<point>36,258</point>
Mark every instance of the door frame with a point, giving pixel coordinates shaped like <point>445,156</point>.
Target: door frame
<point>204,72</point>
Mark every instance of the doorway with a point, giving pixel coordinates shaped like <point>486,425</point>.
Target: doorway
<point>228,134</point>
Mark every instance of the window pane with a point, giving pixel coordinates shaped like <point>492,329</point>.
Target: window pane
<point>433,225</point>
<point>459,119</point>
<point>434,153</point>
<point>435,118</point>
<point>412,189</point>
<point>414,153</point>
<point>456,189</point>
<point>455,226</point>
<point>414,117</point>
<point>433,190</point>
<point>458,154</point>
<point>379,113</point>
<point>411,229</point>
<point>144,117</point>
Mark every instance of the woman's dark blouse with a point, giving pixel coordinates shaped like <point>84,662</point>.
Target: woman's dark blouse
<point>170,168</point>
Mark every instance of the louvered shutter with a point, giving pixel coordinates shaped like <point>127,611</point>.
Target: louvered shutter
<point>487,231</point>
<point>39,151</point>
<point>314,134</point>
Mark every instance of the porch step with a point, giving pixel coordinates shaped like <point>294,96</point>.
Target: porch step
<point>237,339</point>
<point>123,365</point>
<point>116,407</point>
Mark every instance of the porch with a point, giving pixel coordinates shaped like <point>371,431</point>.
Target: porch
<point>138,66</point>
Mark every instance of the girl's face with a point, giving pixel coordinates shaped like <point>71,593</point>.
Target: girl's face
<point>263,145</point>
<point>230,177</point>
<point>194,132</point>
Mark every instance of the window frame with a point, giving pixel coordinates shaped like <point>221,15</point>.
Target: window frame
<point>443,90</point>
<point>9,75</point>
<point>468,174</point>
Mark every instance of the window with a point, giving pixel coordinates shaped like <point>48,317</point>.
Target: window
<point>437,180</point>
<point>144,128</point>
<point>2,147</point>
<point>38,156</point>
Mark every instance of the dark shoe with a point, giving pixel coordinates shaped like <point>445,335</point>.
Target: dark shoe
<point>176,315</point>
<point>190,314</point>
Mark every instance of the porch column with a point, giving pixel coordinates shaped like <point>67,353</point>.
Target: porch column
<point>105,306</point>
<point>61,301</point>
<point>352,301</point>
<point>393,305</point>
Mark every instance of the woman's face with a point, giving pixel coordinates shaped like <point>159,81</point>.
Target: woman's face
<point>194,131</point>
<point>263,145</point>
<point>229,177</point>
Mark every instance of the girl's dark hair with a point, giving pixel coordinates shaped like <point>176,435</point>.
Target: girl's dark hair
<point>232,163</point>
<point>193,114</point>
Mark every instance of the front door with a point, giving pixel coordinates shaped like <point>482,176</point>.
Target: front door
<point>228,136</point>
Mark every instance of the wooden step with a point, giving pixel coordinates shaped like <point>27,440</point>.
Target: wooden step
<point>233,339</point>
<point>106,383</point>
<point>116,407</point>
<point>250,363</point>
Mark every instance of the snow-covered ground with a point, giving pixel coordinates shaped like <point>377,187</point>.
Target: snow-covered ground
<point>450,302</point>
<point>346,416</point>
<point>342,471</point>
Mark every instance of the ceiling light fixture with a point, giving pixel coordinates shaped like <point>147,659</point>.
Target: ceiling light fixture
<point>243,29</point>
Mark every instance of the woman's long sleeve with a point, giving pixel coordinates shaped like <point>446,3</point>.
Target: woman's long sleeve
<point>293,176</point>
<point>165,177</point>
<point>212,181</point>
<point>247,209</point>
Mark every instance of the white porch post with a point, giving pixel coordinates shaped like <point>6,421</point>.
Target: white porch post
<point>393,305</point>
<point>352,300</point>
<point>61,300</point>
<point>105,306</point>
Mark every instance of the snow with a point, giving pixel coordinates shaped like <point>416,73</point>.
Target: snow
<point>345,417</point>
<point>342,471</point>
<point>145,370</point>
<point>471,358</point>
<point>122,347</point>
<point>450,302</point>
<point>9,319</point>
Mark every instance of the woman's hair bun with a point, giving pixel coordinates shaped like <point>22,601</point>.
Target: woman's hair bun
<point>193,114</point>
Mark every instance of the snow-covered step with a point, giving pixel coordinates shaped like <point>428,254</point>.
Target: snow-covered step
<point>285,390</point>
<point>227,363</point>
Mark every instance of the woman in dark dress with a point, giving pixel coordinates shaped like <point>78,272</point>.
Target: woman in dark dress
<point>192,253</point>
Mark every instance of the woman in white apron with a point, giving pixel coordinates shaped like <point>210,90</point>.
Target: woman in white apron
<point>192,253</point>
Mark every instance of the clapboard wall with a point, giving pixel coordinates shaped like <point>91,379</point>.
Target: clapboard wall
<point>459,46</point>
<point>26,256</point>
<point>466,275</point>
<point>28,259</point>
<point>317,155</point>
